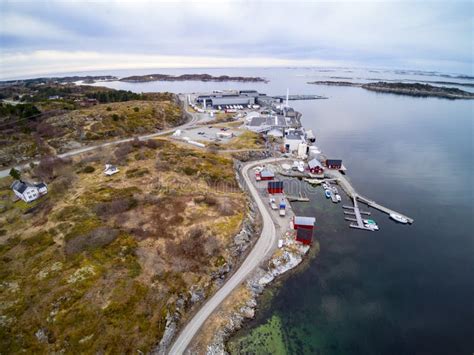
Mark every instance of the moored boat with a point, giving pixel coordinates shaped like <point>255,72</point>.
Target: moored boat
<point>327,193</point>
<point>398,218</point>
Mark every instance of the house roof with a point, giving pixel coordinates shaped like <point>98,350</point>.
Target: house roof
<point>333,161</point>
<point>267,173</point>
<point>19,186</point>
<point>275,132</point>
<point>291,136</point>
<point>304,221</point>
<point>314,163</point>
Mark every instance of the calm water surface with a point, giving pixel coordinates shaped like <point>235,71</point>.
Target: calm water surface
<point>404,289</point>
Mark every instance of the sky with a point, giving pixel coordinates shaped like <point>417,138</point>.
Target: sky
<point>47,37</point>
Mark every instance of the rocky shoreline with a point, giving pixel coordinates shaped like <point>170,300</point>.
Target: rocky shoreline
<point>408,89</point>
<point>191,77</point>
<point>284,259</point>
<point>195,297</point>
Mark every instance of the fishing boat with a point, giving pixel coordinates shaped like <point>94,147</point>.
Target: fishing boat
<point>398,218</point>
<point>327,193</point>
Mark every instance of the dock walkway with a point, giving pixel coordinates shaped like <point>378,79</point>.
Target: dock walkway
<point>356,197</point>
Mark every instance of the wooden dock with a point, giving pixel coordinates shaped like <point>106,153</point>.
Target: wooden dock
<point>299,198</point>
<point>356,197</point>
<point>381,208</point>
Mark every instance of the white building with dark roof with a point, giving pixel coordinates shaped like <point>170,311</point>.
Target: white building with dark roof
<point>27,191</point>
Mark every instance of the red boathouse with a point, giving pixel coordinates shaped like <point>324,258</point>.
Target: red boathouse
<point>304,236</point>
<point>303,222</point>
<point>267,175</point>
<point>334,163</point>
<point>275,187</point>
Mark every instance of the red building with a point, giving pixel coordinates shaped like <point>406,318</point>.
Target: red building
<point>303,222</point>
<point>334,163</point>
<point>275,187</point>
<point>304,236</point>
<point>267,175</point>
<point>315,167</point>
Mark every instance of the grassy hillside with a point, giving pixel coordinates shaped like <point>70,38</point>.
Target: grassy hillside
<point>95,265</point>
<point>26,139</point>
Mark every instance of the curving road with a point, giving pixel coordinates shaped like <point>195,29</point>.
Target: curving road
<point>261,249</point>
<point>192,122</point>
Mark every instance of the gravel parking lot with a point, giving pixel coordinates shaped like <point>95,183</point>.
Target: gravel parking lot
<point>208,133</point>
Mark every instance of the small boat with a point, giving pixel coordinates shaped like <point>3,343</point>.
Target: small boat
<point>372,227</point>
<point>301,167</point>
<point>338,197</point>
<point>327,193</point>
<point>370,223</point>
<point>325,186</point>
<point>398,218</point>
<point>334,189</point>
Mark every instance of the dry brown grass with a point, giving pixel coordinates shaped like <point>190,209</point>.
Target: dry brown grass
<point>100,264</point>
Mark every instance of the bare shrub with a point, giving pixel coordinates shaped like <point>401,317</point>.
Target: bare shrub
<point>211,246</point>
<point>99,237</point>
<point>153,143</point>
<point>225,207</point>
<point>121,152</point>
<point>47,130</point>
<point>51,167</point>
<point>62,183</point>
<point>120,205</point>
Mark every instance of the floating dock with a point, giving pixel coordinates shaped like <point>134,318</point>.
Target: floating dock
<point>356,198</point>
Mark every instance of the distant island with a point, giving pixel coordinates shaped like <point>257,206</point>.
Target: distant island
<point>190,77</point>
<point>415,89</point>
<point>87,79</point>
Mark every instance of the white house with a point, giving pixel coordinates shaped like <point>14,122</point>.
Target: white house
<point>29,192</point>
<point>110,170</point>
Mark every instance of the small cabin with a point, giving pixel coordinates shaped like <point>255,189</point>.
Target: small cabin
<point>334,163</point>
<point>110,170</point>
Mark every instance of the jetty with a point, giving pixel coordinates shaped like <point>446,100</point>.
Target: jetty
<point>356,198</point>
<point>300,97</point>
<point>299,198</point>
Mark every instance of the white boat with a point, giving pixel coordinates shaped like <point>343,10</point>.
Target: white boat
<point>338,198</point>
<point>370,223</point>
<point>301,167</point>
<point>334,189</point>
<point>325,186</point>
<point>398,218</point>
<point>370,226</point>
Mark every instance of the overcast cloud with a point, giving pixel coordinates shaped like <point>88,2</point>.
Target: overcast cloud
<point>42,37</point>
